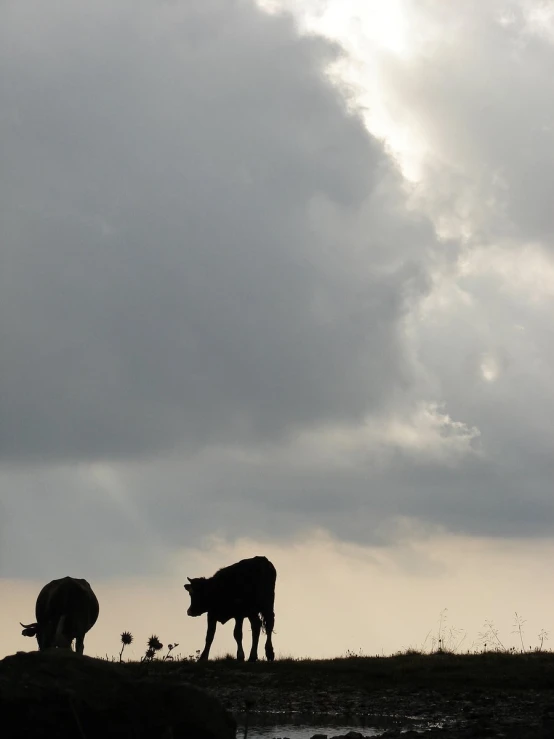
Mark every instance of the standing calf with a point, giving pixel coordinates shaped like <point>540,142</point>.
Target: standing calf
<point>66,609</point>
<point>243,590</point>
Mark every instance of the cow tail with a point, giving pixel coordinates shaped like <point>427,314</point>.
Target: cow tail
<point>270,602</point>
<point>59,630</point>
<point>60,635</point>
<point>264,623</point>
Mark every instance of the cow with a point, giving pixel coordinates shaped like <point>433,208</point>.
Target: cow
<point>65,610</point>
<point>245,589</point>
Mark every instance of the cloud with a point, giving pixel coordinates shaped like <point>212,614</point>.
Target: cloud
<point>224,312</point>
<point>189,215</point>
<point>476,88</point>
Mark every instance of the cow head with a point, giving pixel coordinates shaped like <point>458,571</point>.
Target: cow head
<point>29,629</point>
<point>33,630</point>
<point>47,636</point>
<point>198,591</point>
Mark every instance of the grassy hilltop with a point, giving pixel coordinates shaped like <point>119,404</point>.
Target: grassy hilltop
<point>60,694</point>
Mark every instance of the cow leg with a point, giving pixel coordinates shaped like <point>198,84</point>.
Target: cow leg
<point>237,633</point>
<point>269,622</point>
<point>256,628</point>
<point>79,644</point>
<point>212,623</point>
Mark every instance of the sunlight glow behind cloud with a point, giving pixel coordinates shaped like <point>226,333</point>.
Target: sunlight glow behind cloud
<point>366,29</point>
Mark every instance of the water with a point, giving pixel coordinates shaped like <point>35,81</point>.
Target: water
<point>304,726</point>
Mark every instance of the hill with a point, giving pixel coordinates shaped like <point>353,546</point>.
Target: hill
<point>59,694</point>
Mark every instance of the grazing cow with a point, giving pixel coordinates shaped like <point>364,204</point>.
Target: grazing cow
<point>66,609</point>
<point>243,590</point>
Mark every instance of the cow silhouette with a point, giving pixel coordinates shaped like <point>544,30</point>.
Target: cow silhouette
<point>245,589</point>
<point>65,610</point>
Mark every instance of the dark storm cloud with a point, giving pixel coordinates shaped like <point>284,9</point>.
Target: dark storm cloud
<point>74,517</point>
<point>165,274</point>
<point>63,520</point>
<point>205,259</point>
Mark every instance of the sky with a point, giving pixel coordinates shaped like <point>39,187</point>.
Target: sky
<point>278,279</point>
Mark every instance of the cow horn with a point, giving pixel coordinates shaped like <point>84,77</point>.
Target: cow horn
<point>28,626</point>
<point>188,578</point>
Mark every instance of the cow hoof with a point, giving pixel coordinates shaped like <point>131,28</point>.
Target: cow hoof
<point>252,659</point>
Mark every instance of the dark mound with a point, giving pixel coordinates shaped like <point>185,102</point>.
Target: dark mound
<point>60,694</point>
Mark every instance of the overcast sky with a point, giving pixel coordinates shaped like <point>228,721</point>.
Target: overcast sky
<point>272,276</point>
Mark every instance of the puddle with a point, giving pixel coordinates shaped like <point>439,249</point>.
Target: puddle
<point>304,726</point>
<point>286,731</point>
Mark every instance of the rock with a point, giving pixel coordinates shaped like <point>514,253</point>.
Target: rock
<point>62,694</point>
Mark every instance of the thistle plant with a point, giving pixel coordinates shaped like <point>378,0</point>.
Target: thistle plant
<point>126,639</point>
<point>153,645</point>
<point>170,647</point>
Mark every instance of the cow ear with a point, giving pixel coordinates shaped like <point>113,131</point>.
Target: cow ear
<point>188,587</point>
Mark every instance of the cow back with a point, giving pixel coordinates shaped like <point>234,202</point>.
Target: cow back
<point>70,597</point>
<point>243,588</point>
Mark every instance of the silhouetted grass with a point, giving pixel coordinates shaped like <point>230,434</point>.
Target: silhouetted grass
<point>411,670</point>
